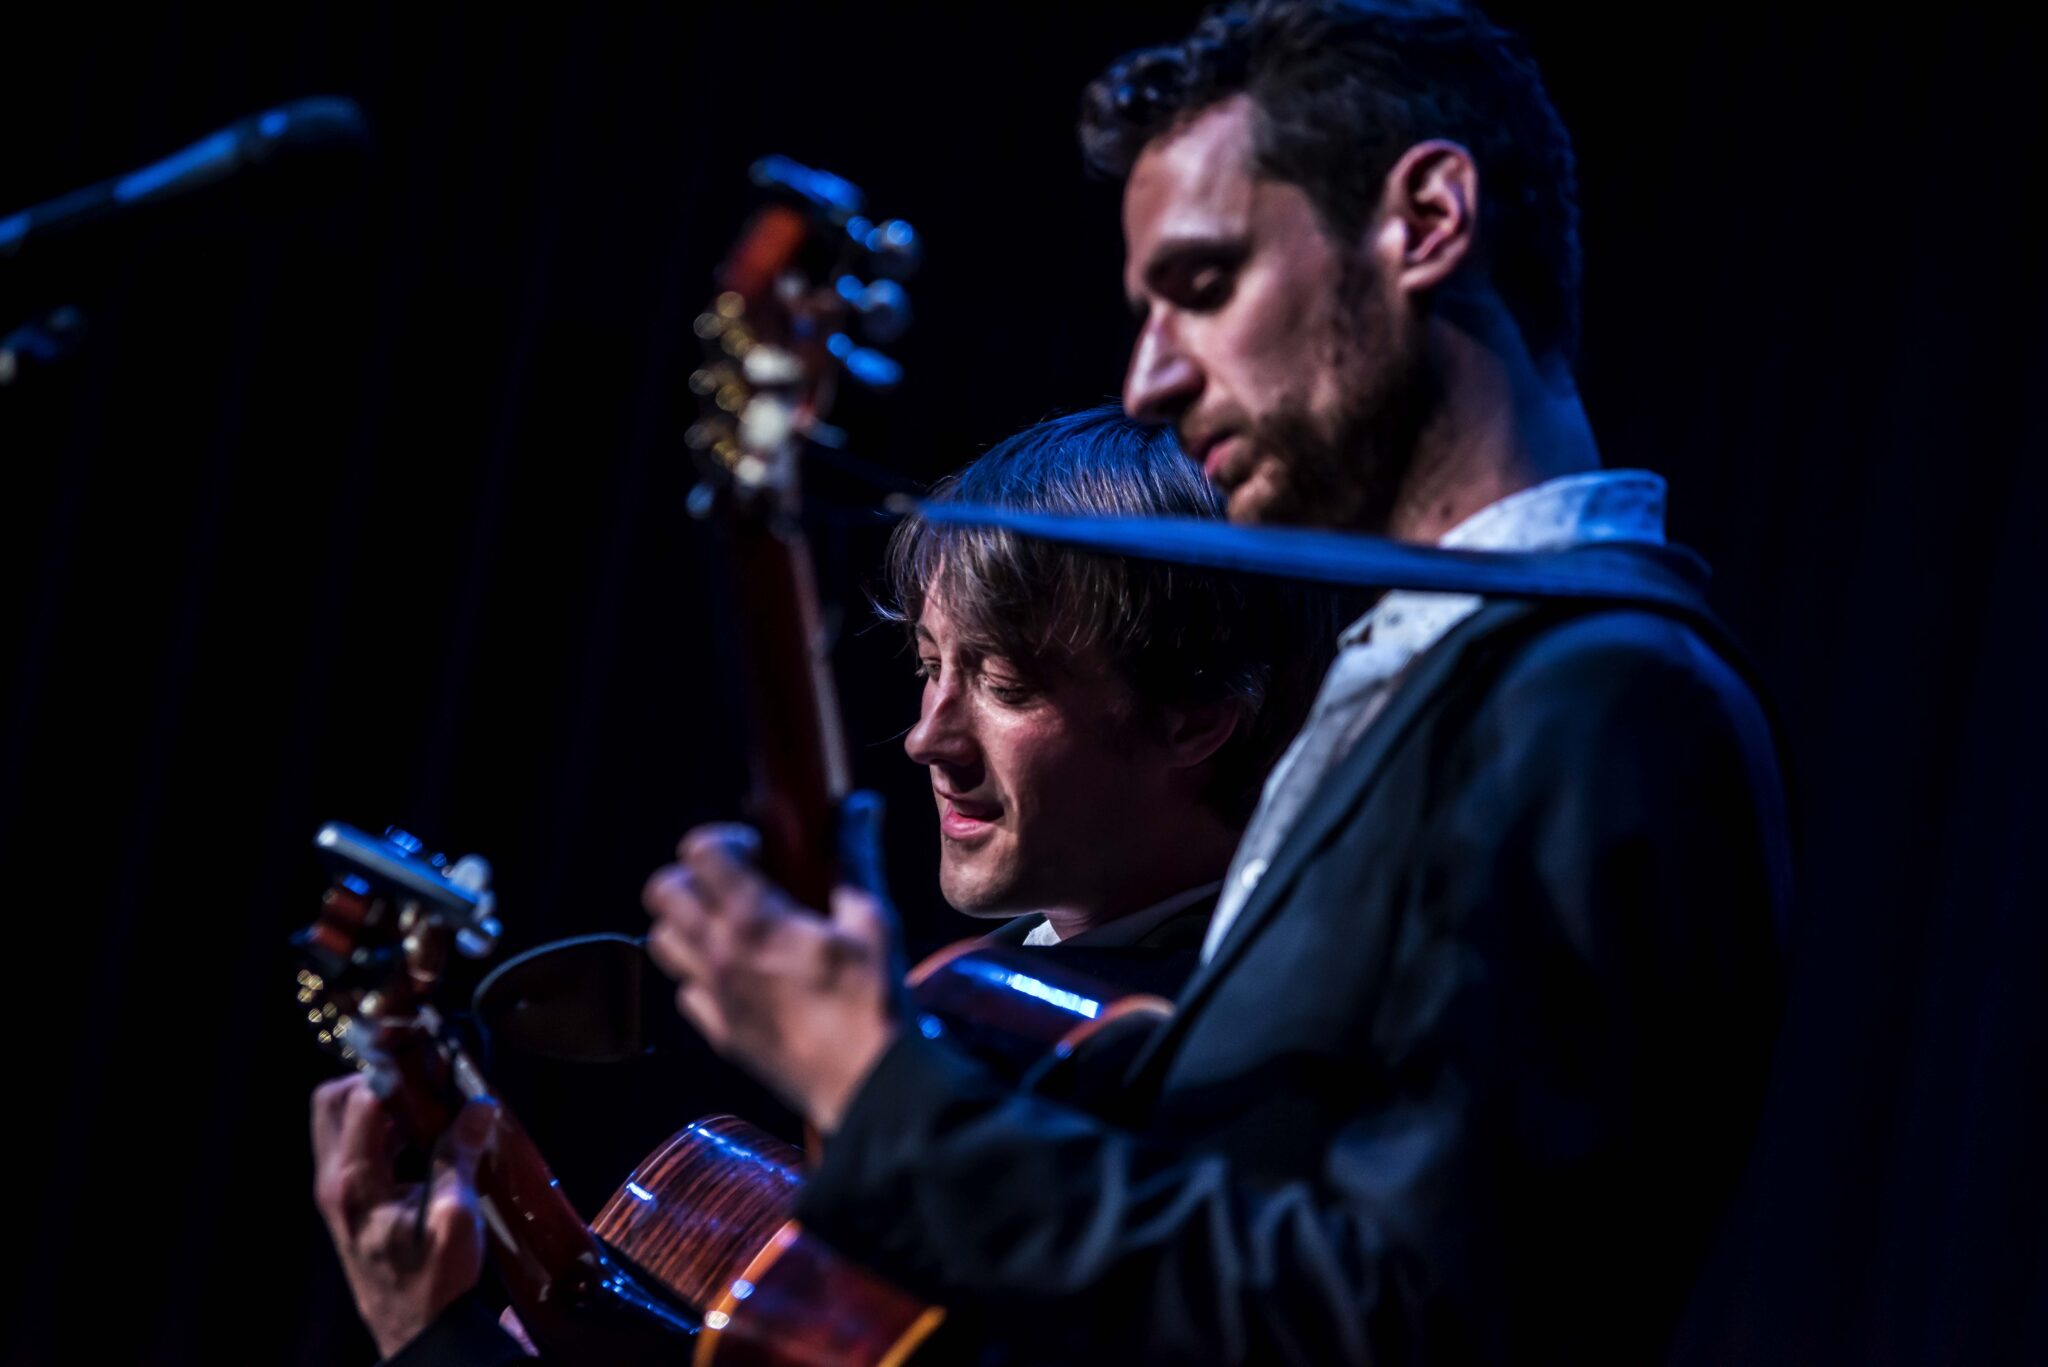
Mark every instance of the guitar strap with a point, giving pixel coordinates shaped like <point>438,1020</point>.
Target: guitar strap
<point>1668,580</point>
<point>1660,578</point>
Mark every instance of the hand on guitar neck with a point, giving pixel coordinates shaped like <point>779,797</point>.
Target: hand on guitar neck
<point>409,1250</point>
<point>805,1002</point>
<point>660,1275</point>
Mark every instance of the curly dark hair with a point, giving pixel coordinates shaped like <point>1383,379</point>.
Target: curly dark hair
<point>1176,634</point>
<point>1341,89</point>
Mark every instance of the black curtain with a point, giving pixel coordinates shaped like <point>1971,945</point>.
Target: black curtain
<point>364,500</point>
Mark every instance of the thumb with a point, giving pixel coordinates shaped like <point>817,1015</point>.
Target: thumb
<point>463,1146</point>
<point>860,842</point>
<point>866,919</point>
<point>862,915</point>
<point>451,1222</point>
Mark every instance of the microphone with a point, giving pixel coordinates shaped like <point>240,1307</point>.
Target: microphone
<point>287,133</point>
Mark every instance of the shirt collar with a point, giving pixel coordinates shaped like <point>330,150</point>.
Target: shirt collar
<point>1127,930</point>
<point>1571,510</point>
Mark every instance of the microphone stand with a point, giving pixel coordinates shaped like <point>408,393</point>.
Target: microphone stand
<point>310,131</point>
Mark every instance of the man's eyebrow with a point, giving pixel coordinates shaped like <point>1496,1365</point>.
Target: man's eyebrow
<point>1181,253</point>
<point>924,633</point>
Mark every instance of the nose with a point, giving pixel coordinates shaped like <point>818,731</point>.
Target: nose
<point>944,734</point>
<point>1163,379</point>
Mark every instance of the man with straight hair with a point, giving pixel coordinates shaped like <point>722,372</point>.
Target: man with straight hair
<point>1067,694</point>
<point>1096,731</point>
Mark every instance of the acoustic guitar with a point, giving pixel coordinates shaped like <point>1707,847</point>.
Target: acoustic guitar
<point>696,1254</point>
<point>696,1258</point>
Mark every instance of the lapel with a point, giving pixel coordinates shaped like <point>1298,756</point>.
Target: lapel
<point>1341,792</point>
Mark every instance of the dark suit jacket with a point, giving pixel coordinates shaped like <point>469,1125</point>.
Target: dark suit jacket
<point>1470,1078</point>
<point>1160,960</point>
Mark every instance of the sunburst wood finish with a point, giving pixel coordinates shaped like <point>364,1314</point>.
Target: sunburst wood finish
<point>695,1213</point>
<point>707,1217</point>
<point>575,1300</point>
<point>798,1302</point>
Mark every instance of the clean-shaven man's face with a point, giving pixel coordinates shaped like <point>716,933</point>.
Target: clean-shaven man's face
<point>1042,785</point>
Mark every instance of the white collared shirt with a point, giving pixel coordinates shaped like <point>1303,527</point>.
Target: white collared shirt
<point>1572,510</point>
<point>1127,930</point>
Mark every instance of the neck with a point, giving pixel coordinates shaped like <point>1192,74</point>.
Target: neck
<point>1193,854</point>
<point>1505,422</point>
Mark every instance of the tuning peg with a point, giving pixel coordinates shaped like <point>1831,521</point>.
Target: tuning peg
<point>894,246</point>
<point>476,940</point>
<point>883,307</point>
<point>828,194</point>
<point>867,366</point>
<point>472,873</point>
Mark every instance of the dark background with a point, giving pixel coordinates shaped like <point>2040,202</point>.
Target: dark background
<point>370,508</point>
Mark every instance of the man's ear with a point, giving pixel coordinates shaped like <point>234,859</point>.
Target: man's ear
<point>1193,735</point>
<point>1428,220</point>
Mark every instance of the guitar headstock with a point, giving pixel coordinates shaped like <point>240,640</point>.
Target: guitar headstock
<point>811,287</point>
<point>389,923</point>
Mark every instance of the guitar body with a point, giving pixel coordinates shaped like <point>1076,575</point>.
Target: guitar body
<point>706,1217</point>
<point>1048,1026</point>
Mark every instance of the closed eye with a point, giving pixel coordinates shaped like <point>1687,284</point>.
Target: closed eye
<point>1198,274</point>
<point>1007,689</point>
<point>1209,287</point>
